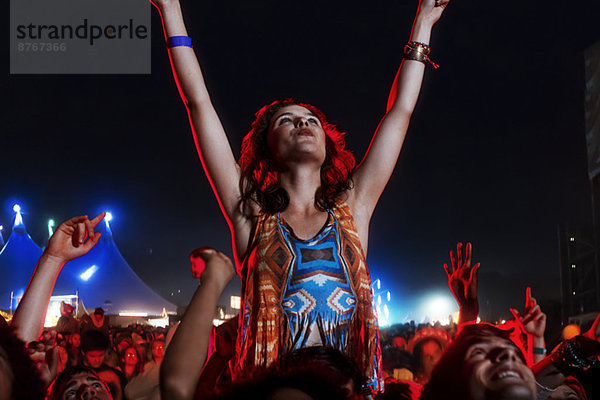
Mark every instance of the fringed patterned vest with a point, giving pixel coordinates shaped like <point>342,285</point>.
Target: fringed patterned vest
<point>295,287</point>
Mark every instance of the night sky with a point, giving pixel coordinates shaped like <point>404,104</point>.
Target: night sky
<point>495,153</point>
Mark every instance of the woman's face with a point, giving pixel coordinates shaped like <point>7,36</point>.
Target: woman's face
<point>158,348</point>
<point>75,340</point>
<point>130,356</point>
<point>296,134</point>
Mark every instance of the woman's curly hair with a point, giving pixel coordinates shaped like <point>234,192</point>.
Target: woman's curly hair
<point>260,179</point>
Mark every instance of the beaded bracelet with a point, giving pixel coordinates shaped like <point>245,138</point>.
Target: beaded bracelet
<point>568,358</point>
<point>418,51</point>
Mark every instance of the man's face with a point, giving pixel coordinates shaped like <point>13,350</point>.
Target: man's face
<point>94,358</point>
<point>495,369</point>
<point>432,351</point>
<point>75,340</point>
<point>84,386</point>
<point>158,348</point>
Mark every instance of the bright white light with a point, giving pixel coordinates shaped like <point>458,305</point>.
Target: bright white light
<point>379,300</point>
<point>389,296</point>
<point>17,208</point>
<point>108,217</point>
<point>386,311</point>
<point>133,314</point>
<point>88,273</point>
<point>51,222</point>
<point>378,284</point>
<point>438,308</point>
<point>50,226</point>
<point>18,219</point>
<point>235,302</point>
<point>1,227</point>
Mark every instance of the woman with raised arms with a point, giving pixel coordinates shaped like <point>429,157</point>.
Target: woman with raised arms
<point>298,207</point>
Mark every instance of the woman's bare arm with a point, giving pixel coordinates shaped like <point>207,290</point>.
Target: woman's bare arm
<point>374,171</point>
<point>187,351</point>
<point>72,239</point>
<point>211,141</point>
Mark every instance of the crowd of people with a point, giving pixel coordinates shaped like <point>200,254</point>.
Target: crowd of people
<point>88,358</point>
<point>299,208</point>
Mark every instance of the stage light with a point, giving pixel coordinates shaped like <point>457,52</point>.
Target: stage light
<point>50,226</point>
<point>1,227</point>
<point>17,208</point>
<point>389,296</point>
<point>88,273</point>
<point>438,308</point>
<point>133,314</point>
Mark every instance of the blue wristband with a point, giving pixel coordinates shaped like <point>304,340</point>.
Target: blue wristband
<point>178,41</point>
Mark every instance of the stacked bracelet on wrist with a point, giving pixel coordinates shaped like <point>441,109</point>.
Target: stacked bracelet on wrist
<point>178,41</point>
<point>568,358</point>
<point>539,351</point>
<point>418,51</point>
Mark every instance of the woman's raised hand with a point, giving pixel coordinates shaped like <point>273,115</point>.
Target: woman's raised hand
<point>161,4</point>
<point>533,321</point>
<point>73,238</point>
<point>431,10</point>
<point>218,268</point>
<point>462,279</point>
<point>594,332</point>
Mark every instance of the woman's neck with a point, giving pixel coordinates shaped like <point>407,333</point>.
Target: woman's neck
<point>301,184</point>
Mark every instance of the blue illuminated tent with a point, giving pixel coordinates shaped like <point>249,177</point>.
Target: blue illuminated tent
<point>18,259</point>
<point>104,279</point>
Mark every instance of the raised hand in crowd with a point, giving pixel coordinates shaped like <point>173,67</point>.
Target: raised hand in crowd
<point>72,239</point>
<point>44,353</point>
<point>186,354</point>
<point>594,332</point>
<point>225,337</point>
<point>570,358</point>
<point>533,323</point>
<point>462,281</point>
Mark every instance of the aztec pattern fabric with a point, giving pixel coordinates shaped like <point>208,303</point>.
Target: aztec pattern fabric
<point>291,286</point>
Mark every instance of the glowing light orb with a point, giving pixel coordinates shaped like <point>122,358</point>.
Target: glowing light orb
<point>50,222</point>
<point>570,331</point>
<point>438,308</point>
<point>108,216</point>
<point>88,273</point>
<point>17,208</point>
